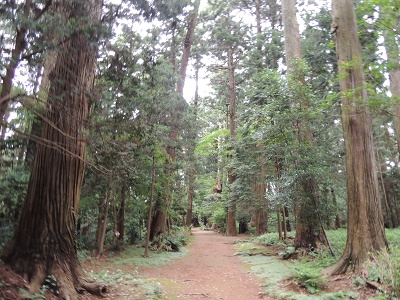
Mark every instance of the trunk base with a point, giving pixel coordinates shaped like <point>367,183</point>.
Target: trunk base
<point>66,276</point>
<point>231,224</point>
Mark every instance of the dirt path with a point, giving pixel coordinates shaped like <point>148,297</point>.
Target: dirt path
<point>209,271</point>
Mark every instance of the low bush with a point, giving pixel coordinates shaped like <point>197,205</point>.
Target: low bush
<point>384,268</point>
<point>310,278</point>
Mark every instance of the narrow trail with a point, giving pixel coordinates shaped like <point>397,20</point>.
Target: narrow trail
<point>209,271</point>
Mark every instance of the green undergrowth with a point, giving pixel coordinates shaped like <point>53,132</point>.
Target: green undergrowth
<point>264,256</point>
<point>134,255</point>
<point>119,270</point>
<point>130,285</point>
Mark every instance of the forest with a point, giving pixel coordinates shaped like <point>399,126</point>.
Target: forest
<point>133,121</point>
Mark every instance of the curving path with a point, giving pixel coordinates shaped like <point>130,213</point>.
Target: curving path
<point>209,271</point>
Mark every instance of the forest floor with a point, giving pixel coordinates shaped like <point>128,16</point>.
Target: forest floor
<point>213,266</point>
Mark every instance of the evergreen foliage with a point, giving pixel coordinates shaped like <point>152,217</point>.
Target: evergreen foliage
<point>136,108</point>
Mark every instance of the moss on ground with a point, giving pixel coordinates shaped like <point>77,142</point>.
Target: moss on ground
<point>134,255</point>
<point>278,274</point>
<point>119,273</point>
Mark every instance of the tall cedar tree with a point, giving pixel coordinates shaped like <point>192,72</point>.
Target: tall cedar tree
<point>44,240</point>
<point>365,228</point>
<point>181,84</point>
<point>231,220</point>
<point>308,231</point>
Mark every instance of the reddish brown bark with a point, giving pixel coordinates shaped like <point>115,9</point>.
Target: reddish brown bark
<point>44,240</point>
<point>365,229</point>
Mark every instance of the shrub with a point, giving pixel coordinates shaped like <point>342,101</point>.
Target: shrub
<point>384,267</point>
<point>310,278</point>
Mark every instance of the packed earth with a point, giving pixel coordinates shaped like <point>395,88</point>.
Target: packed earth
<point>212,266</point>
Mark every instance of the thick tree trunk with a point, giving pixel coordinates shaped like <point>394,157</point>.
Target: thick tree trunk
<point>261,221</point>
<point>291,32</point>
<point>44,240</point>
<point>308,224</point>
<point>159,221</point>
<point>365,228</point>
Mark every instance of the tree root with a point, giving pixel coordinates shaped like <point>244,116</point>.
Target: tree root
<point>375,285</point>
<point>93,287</point>
<point>69,280</point>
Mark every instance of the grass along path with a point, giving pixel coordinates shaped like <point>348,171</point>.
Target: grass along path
<point>214,266</point>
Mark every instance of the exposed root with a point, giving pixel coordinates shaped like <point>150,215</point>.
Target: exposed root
<point>376,285</point>
<point>65,283</point>
<point>93,287</point>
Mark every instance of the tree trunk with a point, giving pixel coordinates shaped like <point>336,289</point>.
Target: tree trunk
<point>100,246</point>
<point>44,240</point>
<point>308,229</point>
<point>365,228</point>
<point>243,226</point>
<point>261,221</point>
<point>284,224</point>
<point>192,141</point>
<point>286,211</point>
<point>261,201</point>
<point>19,46</point>
<point>187,46</point>
<point>337,219</point>
<point>100,219</point>
<point>121,215</point>
<point>278,211</point>
<point>153,180</point>
<point>231,221</point>
<point>392,51</point>
<point>291,32</point>
<point>159,220</point>
<point>189,213</point>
